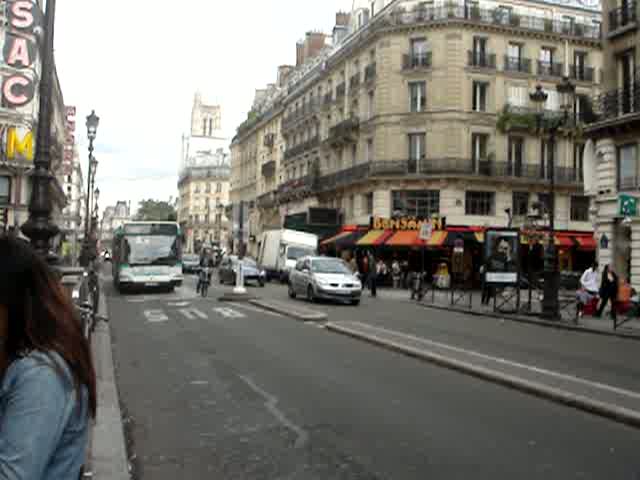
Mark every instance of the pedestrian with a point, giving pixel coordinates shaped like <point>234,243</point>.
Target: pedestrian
<point>608,291</point>
<point>353,264</point>
<point>373,274</point>
<point>396,273</point>
<point>364,274</point>
<point>589,287</point>
<point>47,378</point>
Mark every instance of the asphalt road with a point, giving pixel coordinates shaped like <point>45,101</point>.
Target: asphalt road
<point>226,391</point>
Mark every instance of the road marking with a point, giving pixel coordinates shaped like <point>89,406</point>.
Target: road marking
<point>229,312</point>
<point>155,316</point>
<point>251,308</point>
<point>271,404</point>
<point>199,382</point>
<point>192,313</point>
<point>178,304</point>
<point>504,361</point>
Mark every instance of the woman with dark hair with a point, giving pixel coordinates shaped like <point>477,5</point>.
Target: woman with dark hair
<point>47,379</point>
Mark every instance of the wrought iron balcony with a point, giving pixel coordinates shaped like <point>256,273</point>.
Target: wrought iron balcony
<point>343,178</point>
<point>582,73</point>
<point>301,148</point>
<point>413,61</point>
<point>458,12</point>
<point>308,109</point>
<point>296,189</point>
<point>622,16</point>
<point>370,72</point>
<point>618,103</point>
<point>344,132</point>
<point>479,59</point>
<point>517,64</point>
<point>550,69</point>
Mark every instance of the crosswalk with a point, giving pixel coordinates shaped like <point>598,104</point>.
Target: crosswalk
<point>159,315</point>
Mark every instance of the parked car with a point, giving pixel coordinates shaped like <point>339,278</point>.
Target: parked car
<point>190,263</point>
<point>228,270</point>
<point>324,278</point>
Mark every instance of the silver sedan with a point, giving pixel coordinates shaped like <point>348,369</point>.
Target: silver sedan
<point>324,278</point>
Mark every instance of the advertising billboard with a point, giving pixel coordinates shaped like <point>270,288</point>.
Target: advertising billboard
<point>502,257</point>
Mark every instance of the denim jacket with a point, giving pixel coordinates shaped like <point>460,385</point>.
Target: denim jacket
<point>43,435</point>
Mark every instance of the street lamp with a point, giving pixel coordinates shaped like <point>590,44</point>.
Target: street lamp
<point>87,251</point>
<point>40,228</point>
<point>566,89</point>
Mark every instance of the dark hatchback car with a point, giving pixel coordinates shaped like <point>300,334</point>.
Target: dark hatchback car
<point>228,270</point>
<point>190,263</point>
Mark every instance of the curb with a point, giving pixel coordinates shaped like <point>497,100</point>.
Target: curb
<point>609,411</point>
<point>312,316</point>
<point>108,452</point>
<point>542,323</point>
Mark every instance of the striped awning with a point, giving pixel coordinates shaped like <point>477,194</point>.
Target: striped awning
<point>335,238</point>
<point>407,238</point>
<point>374,238</point>
<point>437,238</point>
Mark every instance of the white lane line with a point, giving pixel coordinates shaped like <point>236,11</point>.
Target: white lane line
<point>192,313</point>
<point>251,308</point>
<point>504,361</point>
<point>229,312</point>
<point>271,404</point>
<point>155,316</point>
<point>178,304</point>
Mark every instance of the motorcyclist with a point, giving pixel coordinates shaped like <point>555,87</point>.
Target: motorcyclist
<point>206,260</point>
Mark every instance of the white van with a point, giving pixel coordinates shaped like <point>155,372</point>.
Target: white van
<point>280,250</point>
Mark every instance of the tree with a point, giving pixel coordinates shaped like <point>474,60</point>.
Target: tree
<point>156,210</point>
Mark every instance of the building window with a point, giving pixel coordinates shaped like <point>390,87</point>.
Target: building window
<point>518,96</point>
<point>417,143</point>
<point>371,111</point>
<point>579,209</point>
<point>480,96</point>
<point>515,158</point>
<point>480,203</point>
<point>547,152</point>
<point>416,203</point>
<point>5,190</point>
<point>479,142</point>
<point>418,94</point>
<point>204,127</point>
<point>369,150</point>
<point>578,161</point>
<point>418,47</point>
<point>544,199</point>
<point>520,203</point>
<point>627,166</point>
<point>351,206</point>
<point>369,203</point>
<point>218,188</point>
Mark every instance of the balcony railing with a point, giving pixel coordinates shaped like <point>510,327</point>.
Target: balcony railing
<point>582,73</point>
<point>344,132</point>
<point>628,183</point>
<point>297,188</point>
<point>416,60</point>
<point>617,103</point>
<point>370,72</point>
<point>447,166</point>
<point>309,108</point>
<point>495,16</point>
<point>267,200</point>
<point>550,69</point>
<point>301,148</point>
<point>622,16</point>
<point>482,59</point>
<point>517,64</point>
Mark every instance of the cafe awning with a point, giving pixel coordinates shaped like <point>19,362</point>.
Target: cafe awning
<point>342,240</point>
<point>563,240</point>
<point>437,238</point>
<point>374,238</point>
<point>586,242</point>
<point>407,238</point>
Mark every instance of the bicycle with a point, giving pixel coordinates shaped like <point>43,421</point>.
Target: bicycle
<point>204,280</point>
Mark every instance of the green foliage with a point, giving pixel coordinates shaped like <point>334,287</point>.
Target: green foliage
<point>156,210</point>
<point>508,120</point>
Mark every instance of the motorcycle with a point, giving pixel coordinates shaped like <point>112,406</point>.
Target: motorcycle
<point>205,280</point>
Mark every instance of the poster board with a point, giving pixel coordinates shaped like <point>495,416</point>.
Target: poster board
<point>502,257</point>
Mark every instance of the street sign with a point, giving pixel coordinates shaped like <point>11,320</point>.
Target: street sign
<point>426,230</point>
<point>628,205</point>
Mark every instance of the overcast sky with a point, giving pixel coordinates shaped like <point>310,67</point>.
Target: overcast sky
<point>139,62</point>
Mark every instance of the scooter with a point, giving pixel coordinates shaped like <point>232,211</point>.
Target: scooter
<point>204,281</point>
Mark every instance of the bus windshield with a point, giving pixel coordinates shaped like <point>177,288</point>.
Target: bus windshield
<point>150,250</point>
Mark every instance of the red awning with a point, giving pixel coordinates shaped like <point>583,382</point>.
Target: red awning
<point>408,238</point>
<point>586,242</point>
<point>563,240</point>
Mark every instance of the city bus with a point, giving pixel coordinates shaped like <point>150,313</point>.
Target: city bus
<point>146,255</point>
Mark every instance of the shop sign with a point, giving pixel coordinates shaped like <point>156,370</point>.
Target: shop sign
<point>502,251</point>
<point>628,205</point>
<point>426,230</point>
<point>20,52</point>
<point>69,143</point>
<point>18,143</point>
<point>406,223</point>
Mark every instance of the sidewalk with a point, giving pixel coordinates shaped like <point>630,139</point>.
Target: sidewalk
<point>441,299</point>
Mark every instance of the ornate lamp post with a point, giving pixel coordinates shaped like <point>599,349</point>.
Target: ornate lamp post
<point>92,128</point>
<point>566,89</point>
<point>40,228</point>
